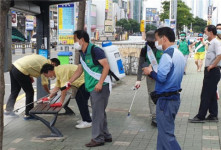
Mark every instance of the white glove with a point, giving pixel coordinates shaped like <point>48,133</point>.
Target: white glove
<point>137,84</point>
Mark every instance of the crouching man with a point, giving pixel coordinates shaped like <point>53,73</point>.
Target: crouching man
<point>63,73</point>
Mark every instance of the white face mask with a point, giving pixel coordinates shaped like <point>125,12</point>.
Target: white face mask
<point>77,46</point>
<point>205,36</point>
<point>52,78</point>
<point>159,47</point>
<point>182,38</point>
<point>219,33</point>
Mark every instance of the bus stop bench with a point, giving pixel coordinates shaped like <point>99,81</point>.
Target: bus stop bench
<point>44,108</point>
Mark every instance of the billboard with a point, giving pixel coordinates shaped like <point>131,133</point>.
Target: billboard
<point>151,14</point>
<point>29,26</point>
<point>66,23</point>
<point>14,20</point>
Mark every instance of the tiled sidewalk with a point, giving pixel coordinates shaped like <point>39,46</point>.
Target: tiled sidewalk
<point>132,132</point>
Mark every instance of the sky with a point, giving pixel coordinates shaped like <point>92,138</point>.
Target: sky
<point>157,4</point>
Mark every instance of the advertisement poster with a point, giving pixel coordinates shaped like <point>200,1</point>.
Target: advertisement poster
<point>66,22</point>
<point>167,22</point>
<point>14,19</point>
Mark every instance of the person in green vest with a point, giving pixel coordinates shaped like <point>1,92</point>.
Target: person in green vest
<point>183,46</point>
<point>150,38</point>
<point>94,64</point>
<point>199,51</point>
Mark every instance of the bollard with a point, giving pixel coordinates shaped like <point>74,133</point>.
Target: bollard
<point>66,48</point>
<point>23,48</point>
<point>13,48</point>
<point>32,48</point>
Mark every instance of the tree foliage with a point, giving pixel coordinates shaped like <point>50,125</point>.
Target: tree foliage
<point>150,27</point>
<point>130,25</point>
<point>184,17</point>
<point>199,25</point>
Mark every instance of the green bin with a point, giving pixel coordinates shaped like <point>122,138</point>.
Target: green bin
<point>65,57</point>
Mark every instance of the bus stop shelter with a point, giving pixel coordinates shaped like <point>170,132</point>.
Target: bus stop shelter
<point>40,9</point>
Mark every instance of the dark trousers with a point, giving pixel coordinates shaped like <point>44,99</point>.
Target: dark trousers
<point>208,94</point>
<point>82,98</point>
<point>18,81</point>
<point>166,110</point>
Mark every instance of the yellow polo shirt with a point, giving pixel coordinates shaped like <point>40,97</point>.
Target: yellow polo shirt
<point>31,65</point>
<point>64,73</point>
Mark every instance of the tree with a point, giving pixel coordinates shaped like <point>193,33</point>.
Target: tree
<point>135,26</point>
<point>184,17</point>
<point>80,26</point>
<point>4,8</point>
<point>199,25</point>
<point>124,24</point>
<point>150,27</point>
<point>130,25</point>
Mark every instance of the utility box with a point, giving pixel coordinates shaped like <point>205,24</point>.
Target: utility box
<point>65,57</point>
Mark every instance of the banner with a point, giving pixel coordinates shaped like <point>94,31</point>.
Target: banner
<point>14,19</point>
<point>66,23</point>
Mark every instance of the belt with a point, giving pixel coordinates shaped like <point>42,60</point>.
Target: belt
<point>167,94</point>
<point>214,67</point>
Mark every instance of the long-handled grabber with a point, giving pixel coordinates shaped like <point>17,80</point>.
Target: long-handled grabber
<point>132,101</point>
<point>40,100</point>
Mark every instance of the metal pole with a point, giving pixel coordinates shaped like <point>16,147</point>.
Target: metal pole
<point>89,18</point>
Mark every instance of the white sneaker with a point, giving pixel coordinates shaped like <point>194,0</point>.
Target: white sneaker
<point>84,124</point>
<point>10,113</point>
<point>79,121</point>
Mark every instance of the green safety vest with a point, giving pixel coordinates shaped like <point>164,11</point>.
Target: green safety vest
<point>184,47</point>
<point>202,49</point>
<point>90,82</point>
<point>158,55</point>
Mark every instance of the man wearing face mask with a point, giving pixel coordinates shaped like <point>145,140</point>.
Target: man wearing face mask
<point>149,81</point>
<point>62,74</point>
<point>199,51</point>
<point>95,66</point>
<point>21,75</point>
<point>211,79</point>
<point>183,46</point>
<point>218,28</point>
<point>168,85</point>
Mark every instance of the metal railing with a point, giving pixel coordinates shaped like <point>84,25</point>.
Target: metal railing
<point>23,46</point>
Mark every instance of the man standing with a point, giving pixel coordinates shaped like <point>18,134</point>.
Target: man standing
<point>144,58</point>
<point>199,51</point>
<point>96,68</point>
<point>168,85</point>
<point>183,46</point>
<point>218,28</point>
<point>211,79</point>
<point>21,75</point>
<point>62,74</point>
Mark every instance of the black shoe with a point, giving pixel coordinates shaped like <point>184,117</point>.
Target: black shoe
<point>184,73</point>
<point>196,120</point>
<point>92,143</point>
<point>27,117</point>
<point>108,140</point>
<point>212,119</point>
<point>154,122</point>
